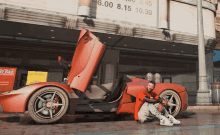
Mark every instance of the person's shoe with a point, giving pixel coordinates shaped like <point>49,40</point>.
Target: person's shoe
<point>165,121</point>
<point>139,121</point>
<point>173,120</point>
<point>150,119</point>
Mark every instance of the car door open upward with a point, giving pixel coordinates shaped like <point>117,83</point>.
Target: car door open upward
<point>87,56</point>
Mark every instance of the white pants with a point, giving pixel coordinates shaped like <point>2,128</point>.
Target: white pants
<point>148,110</point>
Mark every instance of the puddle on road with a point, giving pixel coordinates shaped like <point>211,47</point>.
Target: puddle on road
<point>185,115</point>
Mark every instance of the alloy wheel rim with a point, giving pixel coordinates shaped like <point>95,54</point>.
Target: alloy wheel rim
<point>173,102</point>
<point>45,104</point>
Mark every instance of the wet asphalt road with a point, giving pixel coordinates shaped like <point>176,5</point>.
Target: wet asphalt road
<point>192,123</point>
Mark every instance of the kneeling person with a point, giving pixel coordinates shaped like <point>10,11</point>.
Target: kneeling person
<point>146,106</point>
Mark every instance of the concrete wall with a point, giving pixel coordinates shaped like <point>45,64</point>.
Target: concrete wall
<point>109,66</point>
<point>187,80</point>
<point>183,17</point>
<point>216,78</point>
<point>209,69</point>
<point>172,15</point>
<point>180,16</point>
<point>19,72</point>
<point>62,6</point>
<point>55,75</point>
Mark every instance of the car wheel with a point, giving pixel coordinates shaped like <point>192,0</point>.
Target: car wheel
<point>48,105</point>
<point>174,102</point>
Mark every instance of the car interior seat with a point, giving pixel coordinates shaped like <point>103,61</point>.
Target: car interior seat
<point>116,89</point>
<point>118,86</point>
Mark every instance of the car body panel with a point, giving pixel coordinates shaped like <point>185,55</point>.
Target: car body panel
<point>127,106</point>
<point>135,87</point>
<point>184,100</point>
<point>87,56</point>
<point>15,101</point>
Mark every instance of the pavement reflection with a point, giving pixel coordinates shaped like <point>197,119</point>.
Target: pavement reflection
<point>193,130</point>
<point>192,123</point>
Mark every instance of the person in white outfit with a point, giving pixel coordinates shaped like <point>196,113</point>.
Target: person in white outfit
<point>147,103</point>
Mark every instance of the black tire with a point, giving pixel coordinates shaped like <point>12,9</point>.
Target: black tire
<point>174,104</point>
<point>40,104</point>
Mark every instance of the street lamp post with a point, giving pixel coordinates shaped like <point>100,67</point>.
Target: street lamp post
<point>203,97</point>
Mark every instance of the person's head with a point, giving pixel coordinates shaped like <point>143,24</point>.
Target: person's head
<point>151,86</point>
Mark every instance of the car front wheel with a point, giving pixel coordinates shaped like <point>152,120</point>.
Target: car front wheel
<point>48,105</point>
<point>174,102</point>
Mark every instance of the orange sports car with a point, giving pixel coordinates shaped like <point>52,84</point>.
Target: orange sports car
<point>47,102</point>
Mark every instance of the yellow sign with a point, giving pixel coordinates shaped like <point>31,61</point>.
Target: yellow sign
<point>36,77</point>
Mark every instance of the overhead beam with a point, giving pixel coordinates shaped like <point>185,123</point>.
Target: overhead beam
<point>156,58</point>
<point>167,55</point>
<point>152,63</point>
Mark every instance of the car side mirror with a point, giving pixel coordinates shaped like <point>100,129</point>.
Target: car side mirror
<point>63,62</point>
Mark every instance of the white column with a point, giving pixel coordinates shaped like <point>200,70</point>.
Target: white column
<point>203,96</point>
<point>149,76</point>
<point>163,24</point>
<point>84,8</point>
<point>157,77</point>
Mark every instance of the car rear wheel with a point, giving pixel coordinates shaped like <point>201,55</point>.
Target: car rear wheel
<point>174,102</point>
<point>48,105</point>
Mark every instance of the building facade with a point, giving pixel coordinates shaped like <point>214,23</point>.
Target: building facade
<point>216,52</point>
<point>142,36</point>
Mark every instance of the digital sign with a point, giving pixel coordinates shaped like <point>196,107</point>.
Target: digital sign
<point>135,11</point>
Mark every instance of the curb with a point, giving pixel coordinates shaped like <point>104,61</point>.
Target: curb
<point>194,108</point>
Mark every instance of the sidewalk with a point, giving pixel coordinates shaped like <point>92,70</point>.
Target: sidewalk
<point>194,108</point>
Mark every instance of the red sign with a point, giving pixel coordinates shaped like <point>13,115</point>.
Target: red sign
<point>7,78</point>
